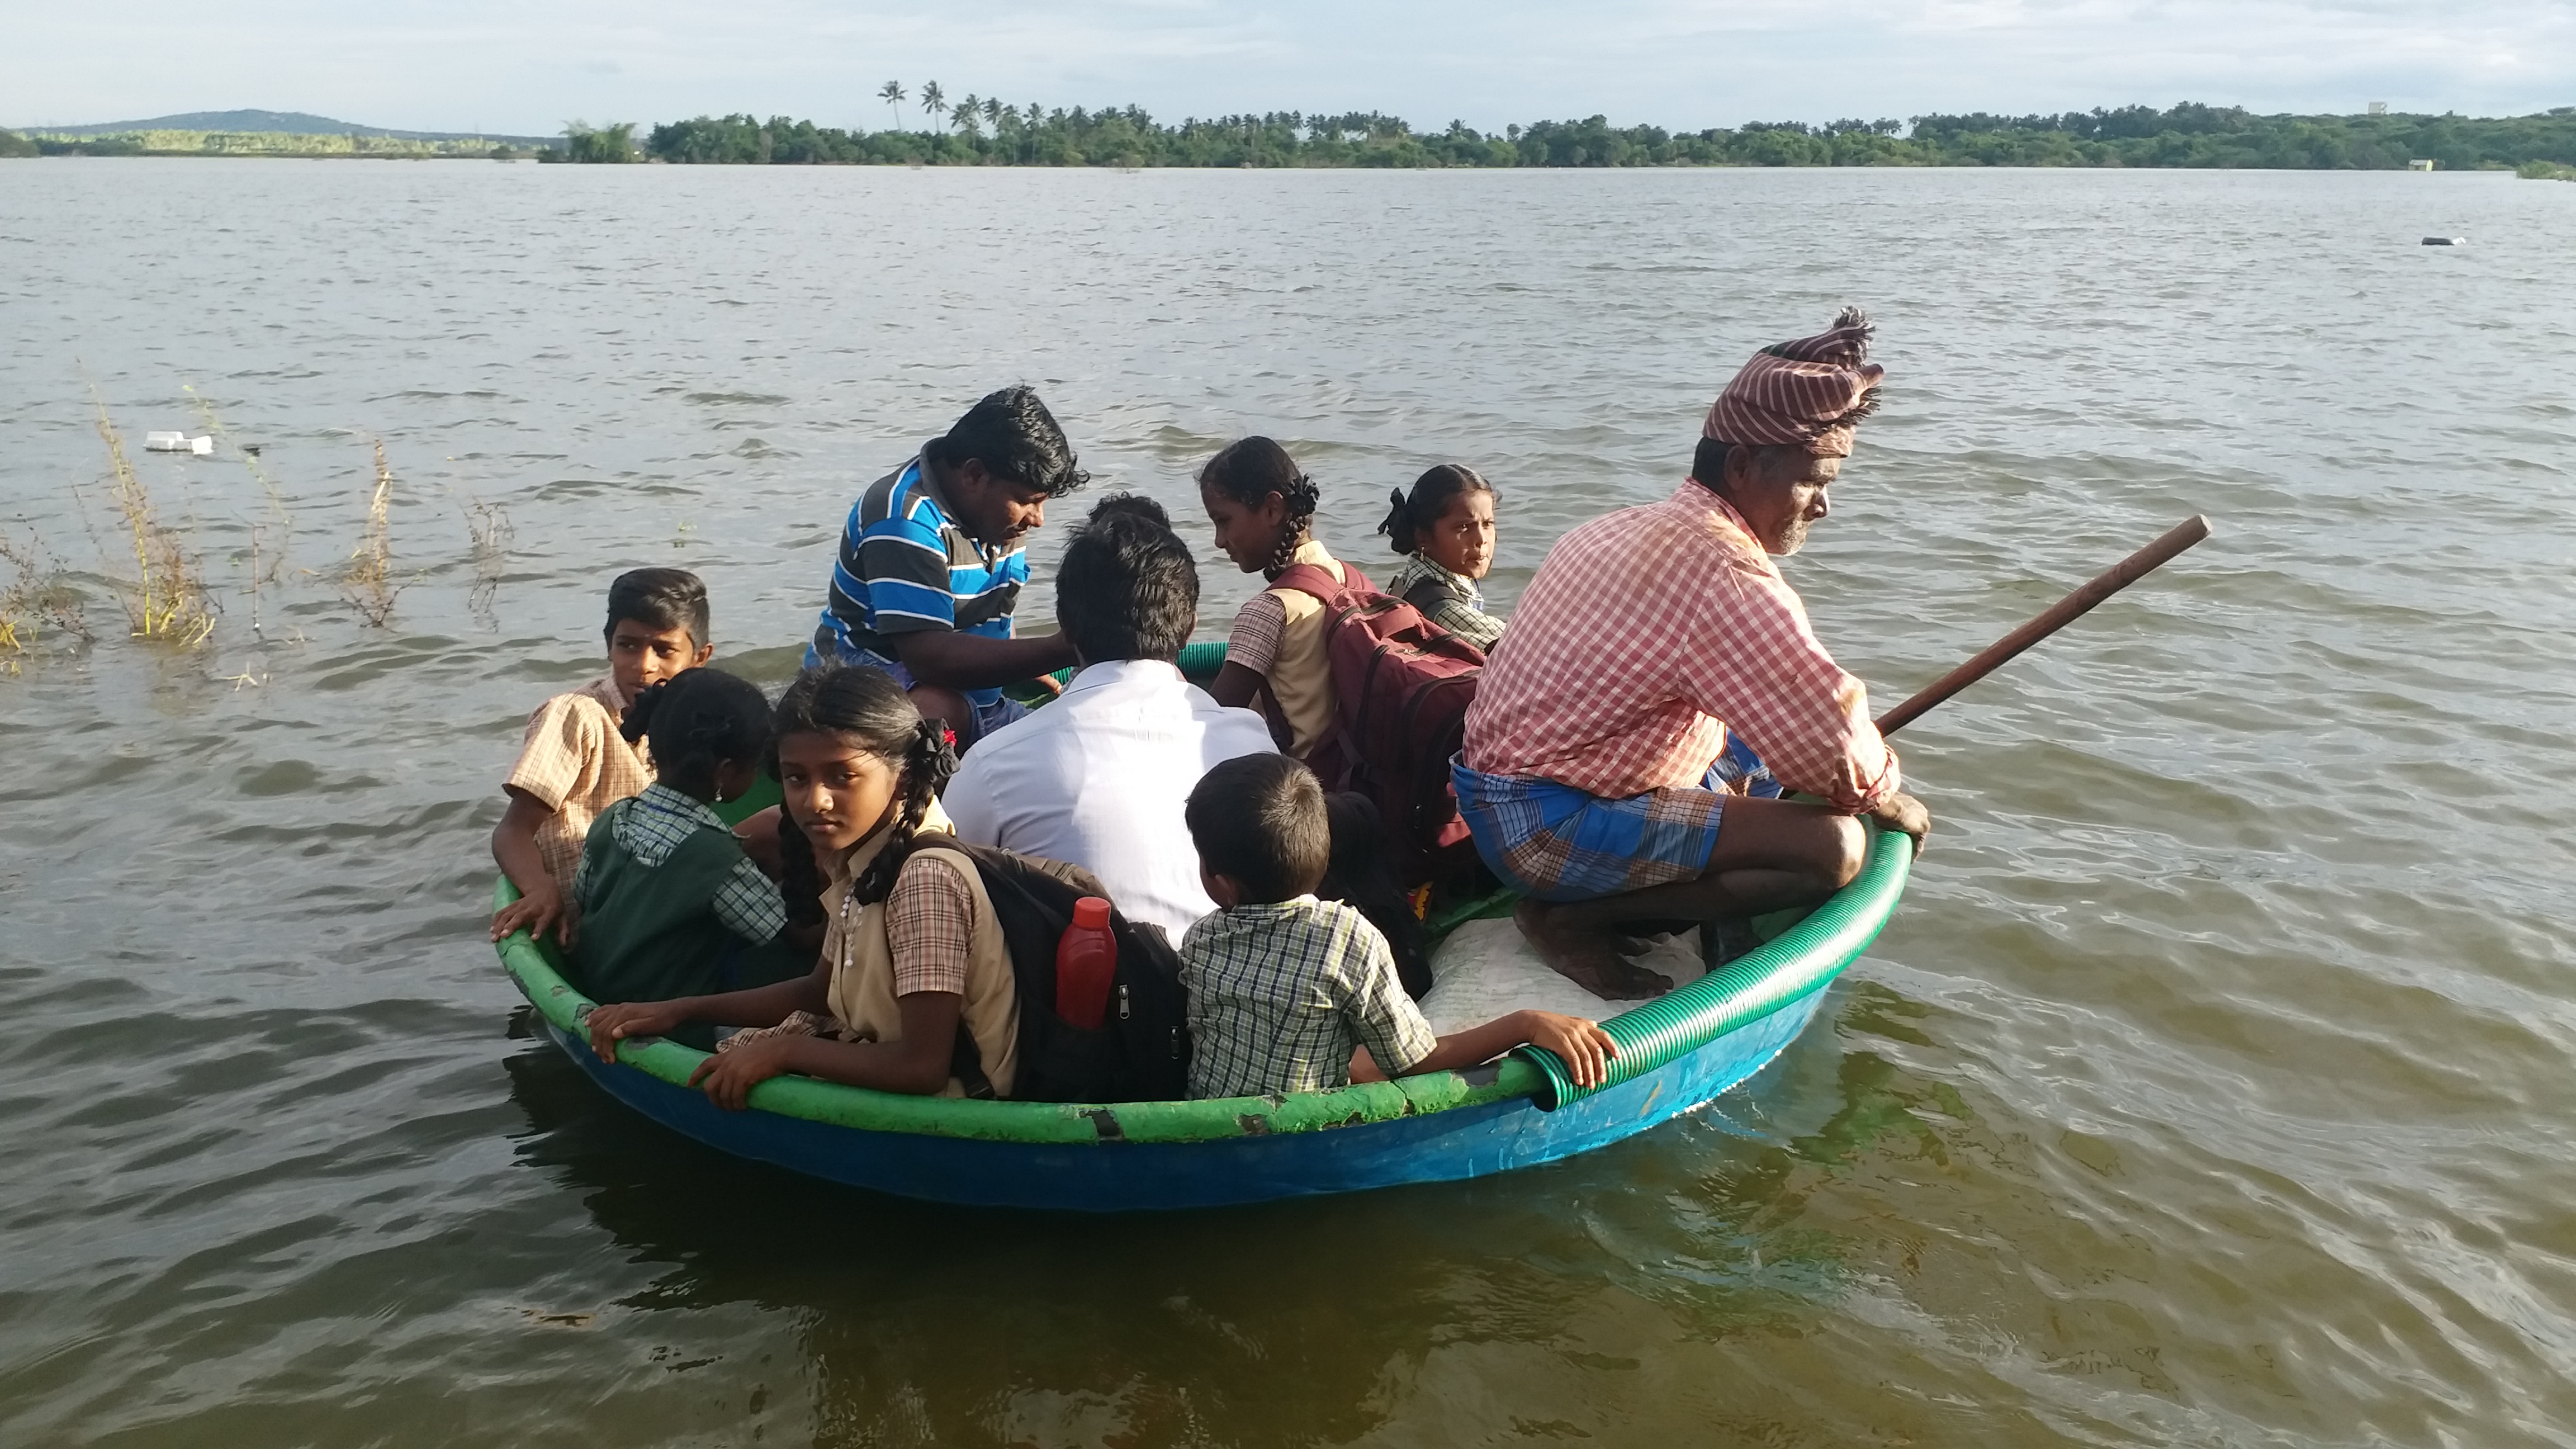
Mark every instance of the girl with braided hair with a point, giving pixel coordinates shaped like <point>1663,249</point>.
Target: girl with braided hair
<point>1263,508</point>
<point>911,949</point>
<point>667,903</point>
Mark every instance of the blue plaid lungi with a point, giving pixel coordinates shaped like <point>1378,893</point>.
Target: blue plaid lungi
<point>1557,843</point>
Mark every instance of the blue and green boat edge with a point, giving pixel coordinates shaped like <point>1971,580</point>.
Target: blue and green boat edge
<point>1675,1052</point>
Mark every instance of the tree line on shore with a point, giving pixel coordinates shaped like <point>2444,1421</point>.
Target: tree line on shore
<point>981,131</point>
<point>989,132</point>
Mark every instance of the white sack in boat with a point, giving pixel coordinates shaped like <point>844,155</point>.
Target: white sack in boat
<point>1485,969</point>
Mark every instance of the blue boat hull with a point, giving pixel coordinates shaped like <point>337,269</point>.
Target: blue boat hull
<point>1444,1146</point>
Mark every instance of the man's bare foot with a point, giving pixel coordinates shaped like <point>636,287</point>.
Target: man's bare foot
<point>1650,933</point>
<point>1590,959</point>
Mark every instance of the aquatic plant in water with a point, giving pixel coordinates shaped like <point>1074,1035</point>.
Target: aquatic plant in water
<point>367,580</point>
<point>267,538</point>
<point>248,455</point>
<point>37,594</point>
<point>487,530</point>
<point>167,598</point>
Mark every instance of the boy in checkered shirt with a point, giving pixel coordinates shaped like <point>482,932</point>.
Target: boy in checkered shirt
<point>574,764</point>
<point>1283,987</point>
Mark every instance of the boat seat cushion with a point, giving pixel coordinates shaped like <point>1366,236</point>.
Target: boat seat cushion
<point>1484,969</point>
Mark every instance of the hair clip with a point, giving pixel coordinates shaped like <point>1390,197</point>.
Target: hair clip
<point>948,736</point>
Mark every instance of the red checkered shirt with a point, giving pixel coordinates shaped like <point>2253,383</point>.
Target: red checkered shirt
<point>1642,632</point>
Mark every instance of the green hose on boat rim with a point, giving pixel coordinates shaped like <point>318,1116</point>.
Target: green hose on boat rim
<point>1781,972</point>
<point>1794,965</point>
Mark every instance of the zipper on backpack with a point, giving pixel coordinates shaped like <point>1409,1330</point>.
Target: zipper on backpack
<point>1122,1003</point>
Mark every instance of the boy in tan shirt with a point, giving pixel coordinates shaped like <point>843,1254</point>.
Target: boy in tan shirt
<point>574,764</point>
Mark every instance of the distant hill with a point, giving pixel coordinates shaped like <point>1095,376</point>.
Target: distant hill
<point>292,123</point>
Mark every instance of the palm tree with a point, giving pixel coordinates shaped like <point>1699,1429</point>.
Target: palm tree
<point>892,95</point>
<point>932,98</point>
<point>993,112</point>
<point>968,115</point>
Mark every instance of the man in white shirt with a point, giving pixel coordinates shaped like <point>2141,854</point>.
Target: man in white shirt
<point>1099,778</point>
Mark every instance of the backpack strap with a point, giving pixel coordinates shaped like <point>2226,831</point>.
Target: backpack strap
<point>1316,580</point>
<point>965,1058</point>
<point>1425,597</point>
<point>1310,579</point>
<point>1340,599</point>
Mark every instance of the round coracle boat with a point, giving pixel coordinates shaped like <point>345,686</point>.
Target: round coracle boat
<point>1676,1052</point>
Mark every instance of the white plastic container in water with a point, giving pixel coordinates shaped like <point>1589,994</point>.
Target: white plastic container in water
<point>178,443</point>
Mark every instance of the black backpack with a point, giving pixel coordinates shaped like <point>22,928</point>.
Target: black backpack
<point>1141,1053</point>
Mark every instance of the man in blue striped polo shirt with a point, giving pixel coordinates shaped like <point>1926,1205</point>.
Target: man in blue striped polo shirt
<point>931,565</point>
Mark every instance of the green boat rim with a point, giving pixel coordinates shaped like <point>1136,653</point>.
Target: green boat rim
<point>1794,965</point>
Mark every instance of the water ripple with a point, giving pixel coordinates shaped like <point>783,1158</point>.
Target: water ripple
<point>2210,1088</point>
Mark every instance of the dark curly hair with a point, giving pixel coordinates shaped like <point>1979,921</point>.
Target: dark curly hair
<point>1013,435</point>
<point>869,710</point>
<point>699,719</point>
<point>1249,470</point>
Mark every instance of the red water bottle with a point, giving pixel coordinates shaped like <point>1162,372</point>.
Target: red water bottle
<point>1086,960</point>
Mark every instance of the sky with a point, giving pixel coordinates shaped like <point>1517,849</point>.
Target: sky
<point>527,66</point>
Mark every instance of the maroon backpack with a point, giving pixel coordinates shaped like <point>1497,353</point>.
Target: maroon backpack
<point>1401,687</point>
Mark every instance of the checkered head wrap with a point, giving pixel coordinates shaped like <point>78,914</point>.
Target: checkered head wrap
<point>1809,393</point>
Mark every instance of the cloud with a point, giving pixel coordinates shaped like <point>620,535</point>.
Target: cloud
<point>1687,63</point>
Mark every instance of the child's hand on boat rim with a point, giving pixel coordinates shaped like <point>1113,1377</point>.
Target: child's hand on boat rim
<point>729,1076</point>
<point>546,910</point>
<point>1582,1045</point>
<point>617,1021</point>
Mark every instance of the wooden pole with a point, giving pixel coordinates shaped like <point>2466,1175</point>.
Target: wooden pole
<point>2064,612</point>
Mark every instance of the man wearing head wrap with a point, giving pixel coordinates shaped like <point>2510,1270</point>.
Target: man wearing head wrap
<point>1655,656</point>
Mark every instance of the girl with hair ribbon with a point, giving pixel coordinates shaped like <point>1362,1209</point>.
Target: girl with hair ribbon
<point>1446,531</point>
<point>911,949</point>
<point>1263,507</point>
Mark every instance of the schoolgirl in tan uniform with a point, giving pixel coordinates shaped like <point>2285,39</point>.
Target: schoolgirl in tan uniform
<point>1263,508</point>
<point>911,947</point>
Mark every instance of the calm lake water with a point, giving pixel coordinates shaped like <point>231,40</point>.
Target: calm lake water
<point>2212,1087</point>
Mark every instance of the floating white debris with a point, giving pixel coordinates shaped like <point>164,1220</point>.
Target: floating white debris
<point>2446,241</point>
<point>178,443</point>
